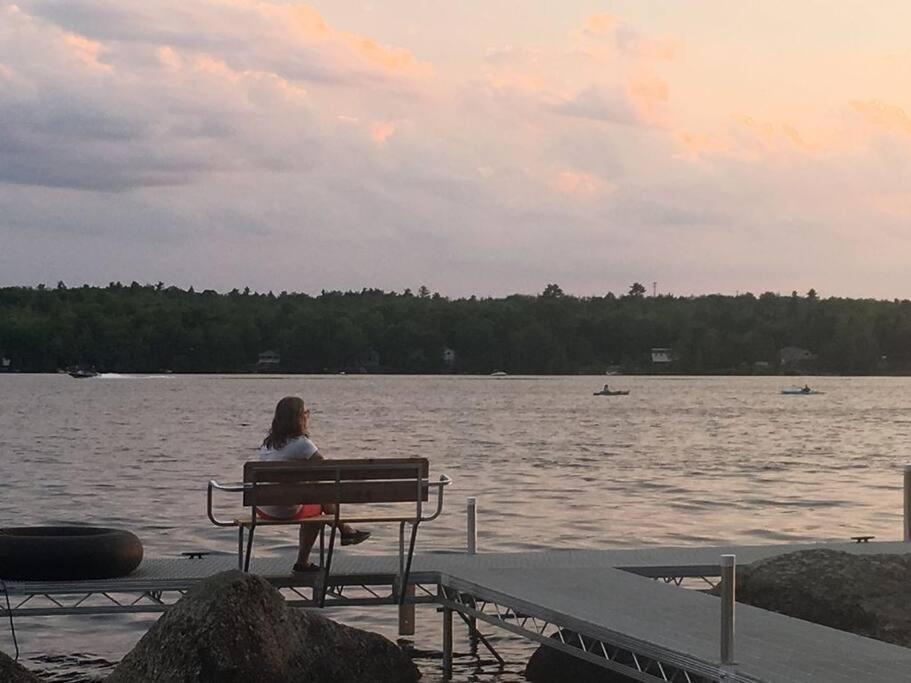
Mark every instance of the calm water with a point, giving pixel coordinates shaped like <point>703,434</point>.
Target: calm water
<point>679,461</point>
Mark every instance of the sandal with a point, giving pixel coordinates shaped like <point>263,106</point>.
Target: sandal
<point>355,537</point>
<point>308,568</point>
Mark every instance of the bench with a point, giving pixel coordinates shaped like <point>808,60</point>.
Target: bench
<point>361,482</point>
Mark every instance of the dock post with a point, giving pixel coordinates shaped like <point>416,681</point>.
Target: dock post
<point>406,613</point>
<point>472,514</point>
<point>447,643</point>
<point>728,589</point>
<point>907,503</point>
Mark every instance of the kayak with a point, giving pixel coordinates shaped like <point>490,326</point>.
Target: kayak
<point>801,392</point>
<point>611,393</point>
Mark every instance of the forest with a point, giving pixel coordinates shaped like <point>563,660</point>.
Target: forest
<point>159,328</point>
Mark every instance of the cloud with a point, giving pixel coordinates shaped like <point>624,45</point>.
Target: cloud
<point>382,131</point>
<point>194,142</point>
<point>638,104</point>
<point>293,41</point>
<point>579,184</point>
<point>889,117</point>
<point>605,34</point>
<point>114,96</point>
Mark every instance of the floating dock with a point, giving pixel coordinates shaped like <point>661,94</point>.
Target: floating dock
<point>621,606</point>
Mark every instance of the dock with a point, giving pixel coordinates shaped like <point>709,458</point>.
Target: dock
<point>622,607</point>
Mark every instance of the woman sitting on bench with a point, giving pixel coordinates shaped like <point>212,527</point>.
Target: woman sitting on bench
<point>289,439</point>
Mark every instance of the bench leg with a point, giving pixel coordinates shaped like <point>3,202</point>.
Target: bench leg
<point>328,566</point>
<point>406,569</point>
<point>447,643</point>
<point>249,548</point>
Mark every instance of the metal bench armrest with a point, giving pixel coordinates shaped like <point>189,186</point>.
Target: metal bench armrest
<point>232,487</point>
<point>440,487</point>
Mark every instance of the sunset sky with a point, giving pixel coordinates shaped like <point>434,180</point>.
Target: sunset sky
<point>478,147</point>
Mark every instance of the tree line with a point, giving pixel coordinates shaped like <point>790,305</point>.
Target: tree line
<point>152,328</point>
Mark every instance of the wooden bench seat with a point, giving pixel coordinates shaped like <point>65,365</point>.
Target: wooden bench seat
<point>247,520</point>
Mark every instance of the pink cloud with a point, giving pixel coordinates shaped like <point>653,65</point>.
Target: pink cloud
<point>883,115</point>
<point>85,51</point>
<point>603,29</point>
<point>381,131</point>
<point>579,184</point>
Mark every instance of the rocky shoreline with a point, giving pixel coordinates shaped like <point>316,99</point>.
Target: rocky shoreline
<point>236,627</point>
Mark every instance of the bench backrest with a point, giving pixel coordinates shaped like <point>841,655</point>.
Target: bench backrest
<point>365,480</point>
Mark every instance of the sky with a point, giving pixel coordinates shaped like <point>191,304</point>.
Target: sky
<point>476,147</point>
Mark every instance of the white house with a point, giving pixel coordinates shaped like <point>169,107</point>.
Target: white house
<point>662,355</point>
<point>449,357</point>
<point>792,357</point>
<point>269,359</point>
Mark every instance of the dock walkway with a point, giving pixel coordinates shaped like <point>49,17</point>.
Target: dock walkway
<point>626,620</point>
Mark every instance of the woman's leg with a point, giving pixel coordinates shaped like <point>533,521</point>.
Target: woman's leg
<point>329,509</point>
<point>308,535</point>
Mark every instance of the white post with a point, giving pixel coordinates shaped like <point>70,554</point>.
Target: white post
<point>472,513</point>
<point>907,503</point>
<point>728,579</point>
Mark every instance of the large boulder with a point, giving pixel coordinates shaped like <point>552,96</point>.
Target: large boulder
<point>549,665</point>
<point>13,672</point>
<point>235,627</point>
<point>868,595</point>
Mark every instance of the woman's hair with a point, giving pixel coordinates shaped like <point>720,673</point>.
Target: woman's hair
<point>287,423</point>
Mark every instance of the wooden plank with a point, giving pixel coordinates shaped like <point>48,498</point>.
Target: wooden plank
<point>403,491</point>
<point>325,519</point>
<point>326,470</point>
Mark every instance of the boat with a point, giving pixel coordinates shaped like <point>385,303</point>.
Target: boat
<point>499,373</point>
<point>611,393</point>
<point>801,391</point>
<point>82,374</point>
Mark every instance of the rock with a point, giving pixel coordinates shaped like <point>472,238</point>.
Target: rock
<point>867,595</point>
<point>235,627</point>
<point>548,665</point>
<point>13,672</point>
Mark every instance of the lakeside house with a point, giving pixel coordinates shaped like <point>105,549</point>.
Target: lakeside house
<point>5,364</point>
<point>449,357</point>
<point>794,358</point>
<point>268,360</point>
<point>662,356</point>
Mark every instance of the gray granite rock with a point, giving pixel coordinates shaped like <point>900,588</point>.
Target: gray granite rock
<point>236,627</point>
<point>869,595</point>
<point>13,672</point>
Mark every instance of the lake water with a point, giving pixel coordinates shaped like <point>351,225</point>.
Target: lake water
<point>679,461</point>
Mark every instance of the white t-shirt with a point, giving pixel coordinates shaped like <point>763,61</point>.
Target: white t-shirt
<point>298,448</point>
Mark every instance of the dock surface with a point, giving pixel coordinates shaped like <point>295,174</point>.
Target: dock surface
<point>630,622</point>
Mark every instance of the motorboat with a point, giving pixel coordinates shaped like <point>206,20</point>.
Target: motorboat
<point>801,391</point>
<point>610,392</point>
<point>81,373</point>
<point>499,373</point>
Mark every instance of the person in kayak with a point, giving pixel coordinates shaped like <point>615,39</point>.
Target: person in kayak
<point>806,389</point>
<point>289,439</point>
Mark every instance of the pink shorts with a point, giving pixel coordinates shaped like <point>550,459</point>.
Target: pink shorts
<point>306,510</point>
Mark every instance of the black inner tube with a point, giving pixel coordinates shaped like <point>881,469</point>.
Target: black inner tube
<point>67,553</point>
<point>45,531</point>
